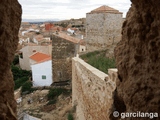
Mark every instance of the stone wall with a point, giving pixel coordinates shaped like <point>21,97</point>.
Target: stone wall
<point>62,53</point>
<point>92,91</point>
<point>102,30</point>
<point>10,20</point>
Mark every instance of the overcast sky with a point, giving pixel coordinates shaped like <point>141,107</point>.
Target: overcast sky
<point>67,9</point>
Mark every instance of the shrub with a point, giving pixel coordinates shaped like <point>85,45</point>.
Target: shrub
<point>27,86</point>
<point>55,92</point>
<point>19,82</point>
<point>16,60</point>
<point>70,116</point>
<point>19,73</point>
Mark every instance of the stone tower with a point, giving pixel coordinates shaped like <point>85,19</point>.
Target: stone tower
<point>103,28</point>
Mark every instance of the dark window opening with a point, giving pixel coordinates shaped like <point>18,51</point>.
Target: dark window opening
<point>21,55</point>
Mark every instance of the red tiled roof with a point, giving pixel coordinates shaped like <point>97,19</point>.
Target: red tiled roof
<point>68,37</point>
<point>105,9</point>
<point>40,57</point>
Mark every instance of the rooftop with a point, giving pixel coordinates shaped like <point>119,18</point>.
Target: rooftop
<point>40,57</point>
<point>39,37</point>
<point>67,37</point>
<point>105,9</point>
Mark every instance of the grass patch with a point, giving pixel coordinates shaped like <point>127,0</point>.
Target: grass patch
<point>98,60</point>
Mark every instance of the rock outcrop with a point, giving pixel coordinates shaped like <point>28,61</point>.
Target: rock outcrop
<point>138,59</point>
<point>10,19</point>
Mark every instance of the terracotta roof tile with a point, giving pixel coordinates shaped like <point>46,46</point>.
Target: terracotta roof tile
<point>106,9</point>
<point>40,57</point>
<point>68,37</point>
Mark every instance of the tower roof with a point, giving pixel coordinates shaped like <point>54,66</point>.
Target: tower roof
<point>105,9</point>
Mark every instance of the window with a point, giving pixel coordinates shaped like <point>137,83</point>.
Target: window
<point>21,55</point>
<point>43,77</point>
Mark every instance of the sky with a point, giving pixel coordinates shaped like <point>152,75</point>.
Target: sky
<point>67,9</point>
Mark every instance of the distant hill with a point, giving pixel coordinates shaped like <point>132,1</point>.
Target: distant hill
<point>40,20</point>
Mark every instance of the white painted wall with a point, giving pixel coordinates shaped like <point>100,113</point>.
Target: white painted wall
<point>28,117</point>
<point>70,31</point>
<point>48,39</point>
<point>35,41</point>
<point>82,48</point>
<point>39,69</point>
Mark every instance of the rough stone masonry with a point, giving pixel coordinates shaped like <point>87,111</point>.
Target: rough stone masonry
<point>10,19</point>
<point>138,59</point>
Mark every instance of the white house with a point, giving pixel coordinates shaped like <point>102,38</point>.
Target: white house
<point>41,69</point>
<point>70,31</point>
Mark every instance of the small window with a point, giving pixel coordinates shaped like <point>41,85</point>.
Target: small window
<point>43,77</point>
<point>34,50</point>
<point>21,55</point>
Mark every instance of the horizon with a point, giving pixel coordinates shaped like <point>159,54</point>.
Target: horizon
<point>67,9</point>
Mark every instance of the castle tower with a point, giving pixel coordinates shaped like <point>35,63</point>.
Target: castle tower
<point>103,28</point>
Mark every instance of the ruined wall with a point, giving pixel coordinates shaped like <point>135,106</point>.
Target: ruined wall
<point>62,52</point>
<point>92,91</point>
<point>102,30</point>
<point>138,59</point>
<point>10,19</point>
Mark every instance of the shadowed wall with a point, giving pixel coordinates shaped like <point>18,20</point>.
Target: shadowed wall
<point>138,59</point>
<point>10,19</point>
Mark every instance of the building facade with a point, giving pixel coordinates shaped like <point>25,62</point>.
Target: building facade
<point>64,47</point>
<point>103,28</point>
<point>41,66</point>
<point>29,50</point>
<point>42,73</point>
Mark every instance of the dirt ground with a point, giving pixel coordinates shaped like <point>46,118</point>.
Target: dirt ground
<point>34,104</point>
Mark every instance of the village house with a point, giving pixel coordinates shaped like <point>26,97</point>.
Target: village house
<point>38,39</point>
<point>103,28</point>
<point>30,49</point>
<point>64,47</point>
<point>24,40</point>
<point>49,26</point>
<point>41,66</point>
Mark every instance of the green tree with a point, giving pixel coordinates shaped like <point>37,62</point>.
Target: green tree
<point>16,60</point>
<point>27,86</point>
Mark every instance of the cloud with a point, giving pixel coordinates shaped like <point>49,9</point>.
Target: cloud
<point>66,9</point>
